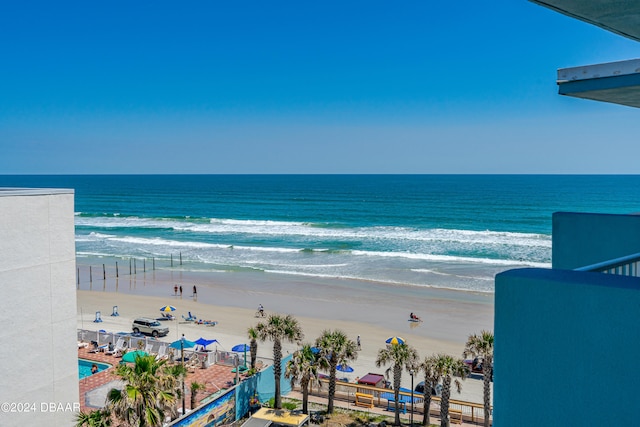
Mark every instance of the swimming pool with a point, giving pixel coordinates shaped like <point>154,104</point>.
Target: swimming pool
<point>84,367</point>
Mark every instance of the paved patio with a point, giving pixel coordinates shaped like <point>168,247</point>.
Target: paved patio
<point>94,389</point>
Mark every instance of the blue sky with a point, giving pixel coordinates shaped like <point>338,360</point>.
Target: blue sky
<point>301,87</point>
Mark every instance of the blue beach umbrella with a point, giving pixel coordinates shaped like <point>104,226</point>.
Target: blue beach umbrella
<point>244,348</point>
<point>395,340</point>
<point>181,344</point>
<point>344,368</point>
<point>167,308</point>
<point>184,343</point>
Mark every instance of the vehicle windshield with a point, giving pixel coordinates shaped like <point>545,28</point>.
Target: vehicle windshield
<point>154,324</point>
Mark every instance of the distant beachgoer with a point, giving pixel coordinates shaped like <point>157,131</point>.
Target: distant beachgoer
<point>94,368</point>
<point>195,291</point>
<point>180,290</point>
<point>175,290</point>
<point>261,310</point>
<point>358,343</point>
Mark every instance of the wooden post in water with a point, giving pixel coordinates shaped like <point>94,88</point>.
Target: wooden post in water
<point>90,275</point>
<point>144,265</point>
<point>135,270</point>
<point>78,277</point>
<point>180,257</point>
<point>171,260</point>
<point>104,273</point>
<point>154,263</point>
<point>117,269</point>
<point>129,266</point>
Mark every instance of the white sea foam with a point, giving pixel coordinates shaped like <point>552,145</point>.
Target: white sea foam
<point>441,273</point>
<point>450,259</point>
<point>462,259</point>
<point>284,228</point>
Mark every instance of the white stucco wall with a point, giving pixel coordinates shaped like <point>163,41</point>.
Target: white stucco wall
<point>38,351</point>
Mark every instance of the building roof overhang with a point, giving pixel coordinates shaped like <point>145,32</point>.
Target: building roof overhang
<point>616,82</point>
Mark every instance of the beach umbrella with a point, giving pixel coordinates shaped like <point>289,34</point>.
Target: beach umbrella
<point>204,342</point>
<point>244,348</point>
<point>131,356</point>
<point>315,350</point>
<point>167,308</point>
<point>183,343</point>
<point>395,340</point>
<point>344,368</point>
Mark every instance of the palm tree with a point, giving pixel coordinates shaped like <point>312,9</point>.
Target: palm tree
<point>431,378</point>
<point>97,418</point>
<point>195,387</point>
<point>277,328</point>
<point>148,394</point>
<point>175,380</point>
<point>401,356</point>
<point>337,349</point>
<point>253,346</point>
<point>448,367</point>
<point>481,346</point>
<point>303,367</point>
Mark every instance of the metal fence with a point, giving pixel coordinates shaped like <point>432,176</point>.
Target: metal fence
<point>623,266</point>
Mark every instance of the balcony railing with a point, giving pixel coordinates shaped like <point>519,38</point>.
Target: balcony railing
<point>624,266</point>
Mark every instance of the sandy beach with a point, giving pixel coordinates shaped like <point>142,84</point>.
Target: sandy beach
<point>375,311</point>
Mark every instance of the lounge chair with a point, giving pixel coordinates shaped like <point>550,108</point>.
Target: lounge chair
<point>207,322</point>
<point>117,350</point>
<point>193,363</point>
<point>96,348</point>
<point>162,353</point>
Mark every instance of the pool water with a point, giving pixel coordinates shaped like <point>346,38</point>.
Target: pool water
<point>84,367</point>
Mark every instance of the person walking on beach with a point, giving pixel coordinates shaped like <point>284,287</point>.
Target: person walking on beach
<point>195,292</point>
<point>180,291</point>
<point>175,290</point>
<point>358,343</point>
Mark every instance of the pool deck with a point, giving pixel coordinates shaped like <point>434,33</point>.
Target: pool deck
<point>92,388</point>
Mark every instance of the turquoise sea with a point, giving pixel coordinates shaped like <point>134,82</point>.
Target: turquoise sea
<point>444,231</point>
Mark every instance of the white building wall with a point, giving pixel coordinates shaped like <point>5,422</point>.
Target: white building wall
<point>38,351</point>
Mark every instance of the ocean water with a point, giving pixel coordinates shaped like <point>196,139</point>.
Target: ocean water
<point>443,231</point>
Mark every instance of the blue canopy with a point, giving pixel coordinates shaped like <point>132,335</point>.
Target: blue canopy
<point>205,342</point>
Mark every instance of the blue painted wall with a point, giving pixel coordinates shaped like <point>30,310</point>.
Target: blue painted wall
<point>581,239</point>
<point>263,385</point>
<point>566,349</point>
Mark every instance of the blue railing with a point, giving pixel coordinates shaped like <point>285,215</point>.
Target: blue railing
<point>623,266</point>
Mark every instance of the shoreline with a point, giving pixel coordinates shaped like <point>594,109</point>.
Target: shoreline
<point>375,311</point>
<point>449,316</point>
